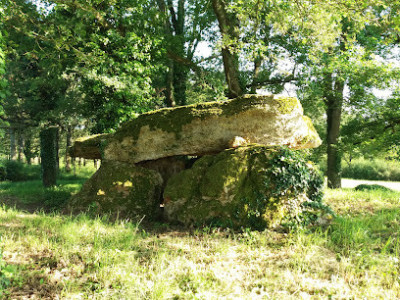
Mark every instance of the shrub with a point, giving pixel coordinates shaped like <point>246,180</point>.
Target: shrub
<point>369,187</point>
<point>18,171</point>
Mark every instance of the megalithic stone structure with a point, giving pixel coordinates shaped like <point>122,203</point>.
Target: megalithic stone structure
<point>206,128</point>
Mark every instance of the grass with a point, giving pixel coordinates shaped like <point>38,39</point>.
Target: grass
<point>32,195</point>
<point>353,256</point>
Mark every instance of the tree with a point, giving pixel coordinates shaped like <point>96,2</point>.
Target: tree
<point>49,155</point>
<point>350,63</point>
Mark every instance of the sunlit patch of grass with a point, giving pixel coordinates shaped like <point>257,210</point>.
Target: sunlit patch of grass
<point>350,201</point>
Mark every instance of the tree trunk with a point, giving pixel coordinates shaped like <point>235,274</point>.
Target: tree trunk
<point>20,148</point>
<point>28,150</point>
<point>69,144</point>
<point>334,115</point>
<point>257,66</point>
<point>12,144</point>
<point>180,78</point>
<point>169,92</point>
<point>58,151</point>
<point>48,154</point>
<point>229,28</point>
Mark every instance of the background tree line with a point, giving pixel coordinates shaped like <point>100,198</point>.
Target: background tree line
<point>82,67</point>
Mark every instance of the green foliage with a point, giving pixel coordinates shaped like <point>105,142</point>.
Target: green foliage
<point>294,175</point>
<point>17,171</point>
<point>56,198</point>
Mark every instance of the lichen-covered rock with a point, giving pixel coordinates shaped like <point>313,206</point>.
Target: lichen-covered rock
<point>252,186</point>
<point>88,147</point>
<point>212,127</point>
<point>121,189</point>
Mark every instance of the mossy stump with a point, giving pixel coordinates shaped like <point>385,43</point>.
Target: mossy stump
<point>255,186</point>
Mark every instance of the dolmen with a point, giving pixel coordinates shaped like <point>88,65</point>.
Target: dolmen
<point>230,163</point>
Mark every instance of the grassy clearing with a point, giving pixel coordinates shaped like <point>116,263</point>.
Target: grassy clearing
<point>49,256</point>
<point>30,195</point>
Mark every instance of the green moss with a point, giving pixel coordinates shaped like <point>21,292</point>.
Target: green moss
<point>286,104</point>
<point>312,135</point>
<point>173,119</point>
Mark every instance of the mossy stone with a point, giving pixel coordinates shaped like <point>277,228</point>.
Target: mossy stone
<point>121,189</point>
<point>253,186</point>
<point>209,128</point>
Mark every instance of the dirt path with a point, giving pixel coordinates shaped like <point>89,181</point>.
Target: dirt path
<point>352,183</point>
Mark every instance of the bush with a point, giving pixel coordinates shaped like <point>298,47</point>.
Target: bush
<point>377,169</point>
<point>369,187</point>
<point>17,171</point>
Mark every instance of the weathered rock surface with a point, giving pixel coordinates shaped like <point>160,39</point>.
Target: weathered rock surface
<point>89,147</point>
<point>251,186</point>
<point>121,189</point>
<point>209,128</point>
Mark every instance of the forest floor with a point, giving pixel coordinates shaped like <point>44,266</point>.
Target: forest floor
<point>47,255</point>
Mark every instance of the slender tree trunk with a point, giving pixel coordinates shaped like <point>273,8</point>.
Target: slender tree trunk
<point>28,150</point>
<point>12,144</point>
<point>58,151</point>
<point>257,65</point>
<point>169,94</point>
<point>229,28</point>
<point>178,46</point>
<point>180,86</point>
<point>48,154</point>
<point>20,145</point>
<point>334,115</point>
<point>69,144</point>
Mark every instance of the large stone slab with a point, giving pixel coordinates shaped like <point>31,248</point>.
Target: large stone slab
<point>88,147</point>
<point>212,127</point>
